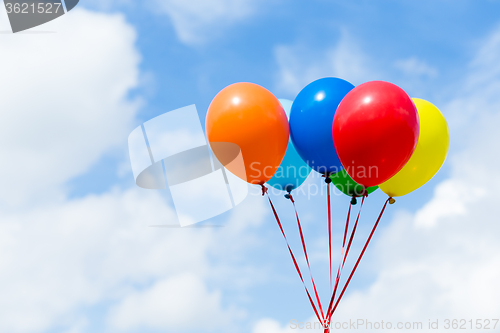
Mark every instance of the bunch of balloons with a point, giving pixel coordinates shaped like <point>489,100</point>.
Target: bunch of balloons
<point>358,137</point>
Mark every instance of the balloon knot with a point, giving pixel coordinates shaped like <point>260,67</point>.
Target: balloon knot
<point>354,201</point>
<point>392,200</point>
<point>288,196</point>
<point>264,189</point>
<point>328,180</point>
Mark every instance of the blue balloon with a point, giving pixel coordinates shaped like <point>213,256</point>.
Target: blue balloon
<point>311,121</point>
<point>293,170</point>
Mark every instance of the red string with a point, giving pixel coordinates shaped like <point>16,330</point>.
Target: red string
<point>353,232</point>
<point>345,231</point>
<point>343,256</point>
<point>329,232</point>
<point>327,324</point>
<point>321,319</point>
<point>307,257</point>
<point>330,313</point>
<point>341,266</point>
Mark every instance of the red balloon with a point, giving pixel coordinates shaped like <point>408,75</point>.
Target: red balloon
<point>375,131</point>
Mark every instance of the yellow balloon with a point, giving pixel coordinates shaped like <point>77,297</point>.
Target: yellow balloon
<point>429,155</point>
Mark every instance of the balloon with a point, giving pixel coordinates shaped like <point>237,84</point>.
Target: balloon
<point>293,170</point>
<point>250,117</point>
<point>375,131</point>
<point>311,121</point>
<point>429,155</point>
<point>349,187</point>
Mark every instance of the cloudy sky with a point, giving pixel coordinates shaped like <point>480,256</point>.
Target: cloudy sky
<point>77,250</point>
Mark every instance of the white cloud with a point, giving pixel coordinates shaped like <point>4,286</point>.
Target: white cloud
<point>416,67</point>
<point>478,93</point>
<point>59,259</point>
<point>64,101</point>
<point>268,325</point>
<point>61,256</point>
<point>299,65</point>
<point>197,21</point>
<point>78,326</point>
<point>452,197</point>
<point>485,68</point>
<point>177,303</point>
<point>4,22</point>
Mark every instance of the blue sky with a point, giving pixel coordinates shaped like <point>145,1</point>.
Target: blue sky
<point>76,250</point>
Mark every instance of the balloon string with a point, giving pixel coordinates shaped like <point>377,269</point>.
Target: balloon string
<point>329,233</point>
<point>353,232</point>
<point>327,324</point>
<point>329,314</point>
<point>264,191</point>
<point>341,263</point>
<point>307,257</point>
<point>343,256</point>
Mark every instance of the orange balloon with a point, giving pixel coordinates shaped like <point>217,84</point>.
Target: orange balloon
<point>250,117</point>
